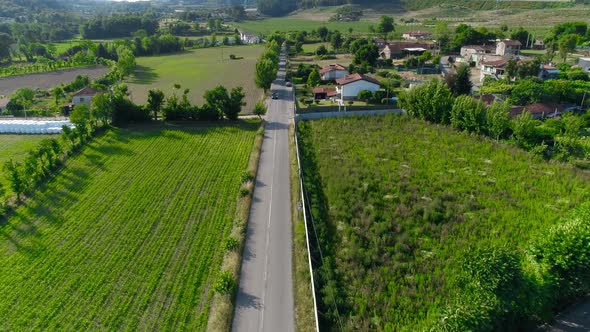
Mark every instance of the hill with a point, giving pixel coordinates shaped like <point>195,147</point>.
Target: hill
<point>398,204</point>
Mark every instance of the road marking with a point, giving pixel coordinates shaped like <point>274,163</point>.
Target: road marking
<point>266,258</point>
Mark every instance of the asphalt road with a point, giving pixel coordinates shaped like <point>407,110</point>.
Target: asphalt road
<point>576,319</point>
<point>265,296</point>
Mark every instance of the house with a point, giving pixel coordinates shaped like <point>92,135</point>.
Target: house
<point>584,63</point>
<point>84,96</point>
<point>399,49</point>
<point>494,68</point>
<point>414,35</point>
<point>333,72</point>
<point>538,44</point>
<point>548,72</point>
<point>324,93</point>
<point>508,47</point>
<point>350,85</point>
<point>474,53</point>
<point>3,103</point>
<point>248,38</point>
<point>380,43</point>
<point>539,111</point>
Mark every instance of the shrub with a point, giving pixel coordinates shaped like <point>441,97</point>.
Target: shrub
<point>231,243</point>
<point>225,283</point>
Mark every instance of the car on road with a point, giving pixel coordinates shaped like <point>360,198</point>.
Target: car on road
<point>275,95</point>
<point>289,84</point>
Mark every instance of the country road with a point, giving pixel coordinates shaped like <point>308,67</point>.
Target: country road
<point>265,296</point>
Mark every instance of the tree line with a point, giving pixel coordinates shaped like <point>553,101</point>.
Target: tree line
<point>118,26</point>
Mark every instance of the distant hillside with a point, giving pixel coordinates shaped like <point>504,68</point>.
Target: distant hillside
<point>12,8</point>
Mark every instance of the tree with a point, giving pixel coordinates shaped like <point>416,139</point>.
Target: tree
<point>126,63</point>
<point>314,78</point>
<point>155,101</point>
<point>385,25</point>
<point>511,69</point>
<point>523,129</point>
<point>260,109</point>
<point>58,93</point>
<point>266,73</point>
<point>5,42</point>
<point>323,33</point>
<point>15,177</point>
<point>365,95</point>
<point>463,85</point>
<point>497,119</point>
<point>102,107</point>
<point>521,35</point>
<point>321,50</point>
<point>236,101</point>
<point>218,99</point>
<point>567,44</point>
<point>336,40</point>
<point>430,102</point>
<point>80,117</point>
<point>468,114</point>
<point>367,53</point>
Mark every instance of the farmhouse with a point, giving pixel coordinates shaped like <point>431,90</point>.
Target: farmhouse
<point>548,72</point>
<point>84,96</point>
<point>494,68</point>
<point>414,35</point>
<point>474,53</point>
<point>333,72</point>
<point>508,47</point>
<point>248,38</point>
<point>401,48</point>
<point>350,85</point>
<point>584,63</point>
<point>324,93</point>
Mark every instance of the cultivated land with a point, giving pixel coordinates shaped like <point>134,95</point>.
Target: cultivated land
<point>198,70</point>
<point>47,80</point>
<point>16,147</point>
<point>398,202</point>
<point>129,235</point>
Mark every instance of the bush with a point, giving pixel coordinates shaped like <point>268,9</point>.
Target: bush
<point>231,244</point>
<point>225,283</point>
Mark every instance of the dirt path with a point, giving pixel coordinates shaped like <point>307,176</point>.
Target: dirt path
<point>47,80</point>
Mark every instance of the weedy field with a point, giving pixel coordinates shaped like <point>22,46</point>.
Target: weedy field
<point>198,70</point>
<point>16,147</point>
<point>129,235</point>
<point>398,203</point>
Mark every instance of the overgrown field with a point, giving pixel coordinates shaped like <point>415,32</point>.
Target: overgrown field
<point>398,203</point>
<point>16,147</point>
<point>198,70</point>
<point>129,236</point>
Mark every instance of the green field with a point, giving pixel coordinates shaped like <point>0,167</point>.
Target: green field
<point>16,147</point>
<point>198,70</point>
<point>297,24</point>
<point>129,235</point>
<point>398,203</point>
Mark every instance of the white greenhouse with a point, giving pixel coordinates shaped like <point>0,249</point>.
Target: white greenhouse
<point>32,126</point>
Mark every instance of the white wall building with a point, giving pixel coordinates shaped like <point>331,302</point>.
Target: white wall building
<point>84,96</point>
<point>584,63</point>
<point>333,72</point>
<point>350,85</point>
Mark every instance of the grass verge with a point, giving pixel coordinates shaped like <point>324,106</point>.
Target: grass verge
<point>302,289</point>
<point>222,306</point>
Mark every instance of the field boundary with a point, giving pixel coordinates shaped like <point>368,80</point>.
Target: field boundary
<point>303,207</point>
<point>322,115</point>
<point>222,306</point>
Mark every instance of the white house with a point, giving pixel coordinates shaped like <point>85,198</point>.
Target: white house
<point>248,38</point>
<point>84,96</point>
<point>474,53</point>
<point>414,35</point>
<point>508,47</point>
<point>350,85</point>
<point>494,68</point>
<point>333,72</point>
<point>584,63</point>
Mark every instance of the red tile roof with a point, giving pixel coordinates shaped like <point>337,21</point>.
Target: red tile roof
<point>87,91</point>
<point>354,78</point>
<point>544,108</point>
<point>399,46</point>
<point>417,33</point>
<point>332,67</point>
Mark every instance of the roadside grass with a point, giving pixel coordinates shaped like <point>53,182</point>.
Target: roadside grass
<point>16,147</point>
<point>222,306</point>
<point>302,288</point>
<point>129,235</point>
<point>398,202</point>
<point>198,70</point>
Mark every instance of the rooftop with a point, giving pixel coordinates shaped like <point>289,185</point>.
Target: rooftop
<point>87,91</point>
<point>355,77</point>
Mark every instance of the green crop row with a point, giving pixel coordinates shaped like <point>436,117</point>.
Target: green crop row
<point>398,203</point>
<point>129,235</point>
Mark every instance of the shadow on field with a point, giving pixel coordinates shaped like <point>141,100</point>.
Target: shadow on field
<point>144,75</point>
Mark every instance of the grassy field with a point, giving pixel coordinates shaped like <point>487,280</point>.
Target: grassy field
<point>198,70</point>
<point>398,203</point>
<point>16,147</point>
<point>129,235</point>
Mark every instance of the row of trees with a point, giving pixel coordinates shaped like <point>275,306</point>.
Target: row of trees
<point>118,26</point>
<point>267,66</point>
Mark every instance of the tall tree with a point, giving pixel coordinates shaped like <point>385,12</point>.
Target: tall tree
<point>497,119</point>
<point>58,94</point>
<point>5,42</point>
<point>15,177</point>
<point>155,101</point>
<point>385,25</point>
<point>266,73</point>
<point>102,107</point>
<point>314,78</point>
<point>567,44</point>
